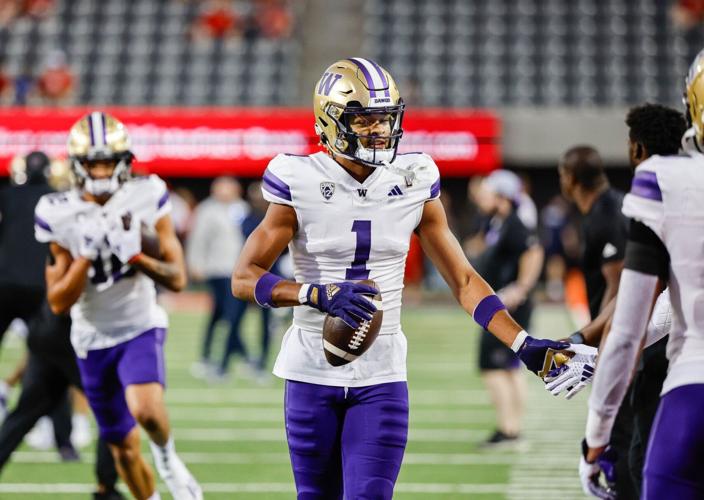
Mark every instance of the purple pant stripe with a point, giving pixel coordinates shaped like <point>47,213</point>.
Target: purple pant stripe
<point>352,442</point>
<point>675,456</point>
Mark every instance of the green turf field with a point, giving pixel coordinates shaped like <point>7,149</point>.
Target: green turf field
<point>231,434</point>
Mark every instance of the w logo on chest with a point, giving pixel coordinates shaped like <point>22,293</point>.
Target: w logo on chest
<point>362,192</point>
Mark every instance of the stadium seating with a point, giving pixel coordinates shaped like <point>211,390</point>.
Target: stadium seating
<point>531,52</point>
<point>138,52</point>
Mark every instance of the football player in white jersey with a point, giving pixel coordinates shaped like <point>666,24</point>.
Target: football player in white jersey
<point>347,214</point>
<point>97,271</point>
<point>666,246</point>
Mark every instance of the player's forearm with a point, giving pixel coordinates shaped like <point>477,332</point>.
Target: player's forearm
<point>66,291</point>
<point>244,282</point>
<point>594,331</point>
<point>471,293</point>
<point>172,275</point>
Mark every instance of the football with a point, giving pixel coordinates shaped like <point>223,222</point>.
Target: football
<point>150,240</point>
<point>343,344</point>
<point>150,243</point>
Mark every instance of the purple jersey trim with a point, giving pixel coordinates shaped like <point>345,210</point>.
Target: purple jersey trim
<point>276,186</point>
<point>162,201</point>
<point>486,309</point>
<point>42,223</point>
<point>435,189</point>
<point>645,185</point>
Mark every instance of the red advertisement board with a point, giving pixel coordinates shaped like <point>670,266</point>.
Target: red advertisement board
<point>204,142</point>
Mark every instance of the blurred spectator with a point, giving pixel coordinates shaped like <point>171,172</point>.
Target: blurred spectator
<point>38,9</point>
<point>554,218</point>
<point>272,19</point>
<point>183,204</point>
<point>212,249</point>
<point>9,10</point>
<point>5,87</point>
<point>251,221</point>
<point>511,263</point>
<point>56,82</point>
<point>687,14</point>
<point>217,20</point>
<point>24,84</point>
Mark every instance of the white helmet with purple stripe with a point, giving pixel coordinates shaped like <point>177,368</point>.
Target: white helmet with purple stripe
<point>99,137</point>
<point>357,93</point>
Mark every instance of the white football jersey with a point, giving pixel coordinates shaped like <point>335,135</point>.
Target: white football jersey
<point>118,302</point>
<point>349,231</point>
<point>666,195</point>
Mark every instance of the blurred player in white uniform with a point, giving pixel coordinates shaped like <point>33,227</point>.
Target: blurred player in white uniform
<point>97,271</point>
<point>347,214</point>
<point>666,246</point>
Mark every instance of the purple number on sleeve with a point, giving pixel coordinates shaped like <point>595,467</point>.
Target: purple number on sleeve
<point>358,270</point>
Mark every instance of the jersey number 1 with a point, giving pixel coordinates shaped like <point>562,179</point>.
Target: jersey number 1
<point>358,270</point>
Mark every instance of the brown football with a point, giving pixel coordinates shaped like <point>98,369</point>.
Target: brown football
<point>343,344</point>
<point>150,240</point>
<point>150,243</point>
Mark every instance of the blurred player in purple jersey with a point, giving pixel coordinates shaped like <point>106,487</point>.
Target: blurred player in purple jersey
<point>98,271</point>
<point>347,214</point>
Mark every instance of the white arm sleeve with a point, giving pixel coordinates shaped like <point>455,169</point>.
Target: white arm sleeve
<point>617,359</point>
<point>661,319</point>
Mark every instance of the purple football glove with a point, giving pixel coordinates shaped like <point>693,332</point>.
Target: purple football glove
<point>589,473</point>
<point>347,301</point>
<point>537,354</point>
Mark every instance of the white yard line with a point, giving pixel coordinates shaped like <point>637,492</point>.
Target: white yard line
<point>262,488</point>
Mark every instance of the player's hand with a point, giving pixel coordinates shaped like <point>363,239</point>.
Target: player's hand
<point>125,237</point>
<point>590,472</point>
<point>539,354</point>
<point>348,301</point>
<point>574,375</point>
<point>92,236</point>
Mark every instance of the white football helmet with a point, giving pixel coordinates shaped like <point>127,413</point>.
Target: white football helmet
<point>99,136</point>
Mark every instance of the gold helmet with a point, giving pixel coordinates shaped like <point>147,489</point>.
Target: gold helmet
<point>694,98</point>
<point>353,87</point>
<point>97,137</point>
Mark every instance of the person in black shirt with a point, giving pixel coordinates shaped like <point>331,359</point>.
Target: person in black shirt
<point>604,227</point>
<point>604,236</point>
<point>511,263</point>
<point>22,259</point>
<point>51,369</point>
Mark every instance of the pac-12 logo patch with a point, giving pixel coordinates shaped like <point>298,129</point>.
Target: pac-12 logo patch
<point>327,189</point>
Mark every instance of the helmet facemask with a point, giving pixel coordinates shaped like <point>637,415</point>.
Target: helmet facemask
<point>364,147</point>
<point>102,187</point>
